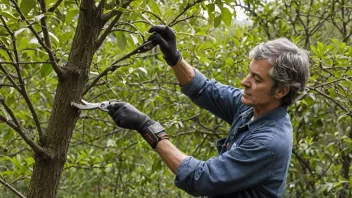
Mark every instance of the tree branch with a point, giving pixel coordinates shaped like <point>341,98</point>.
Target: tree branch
<point>111,68</point>
<point>51,55</point>
<point>52,8</point>
<point>101,4</point>
<point>10,78</point>
<point>26,63</point>
<point>185,19</point>
<point>102,37</point>
<point>110,15</point>
<point>123,30</point>
<point>134,27</point>
<point>334,81</point>
<point>22,90</point>
<point>11,188</point>
<point>334,101</point>
<point>303,162</point>
<point>44,25</point>
<point>117,15</point>
<point>255,15</point>
<point>209,129</point>
<point>156,16</point>
<point>21,131</point>
<point>184,10</point>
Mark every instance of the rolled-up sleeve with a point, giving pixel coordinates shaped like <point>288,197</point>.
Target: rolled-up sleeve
<point>237,169</point>
<point>221,100</point>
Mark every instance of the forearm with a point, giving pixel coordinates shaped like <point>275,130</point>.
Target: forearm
<point>171,155</point>
<point>183,72</point>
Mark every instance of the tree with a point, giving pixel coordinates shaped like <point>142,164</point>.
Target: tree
<point>28,29</point>
<point>56,52</point>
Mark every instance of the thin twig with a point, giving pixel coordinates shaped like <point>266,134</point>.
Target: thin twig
<point>134,27</point>
<point>11,188</point>
<point>101,5</point>
<point>303,162</point>
<point>22,89</point>
<point>155,15</point>
<point>111,68</point>
<point>53,8</point>
<point>117,15</point>
<point>102,37</point>
<point>10,78</point>
<point>184,10</point>
<point>44,25</point>
<point>21,131</point>
<point>51,55</point>
<point>123,30</point>
<point>328,97</point>
<point>109,15</point>
<point>334,81</point>
<point>187,18</point>
<point>26,63</point>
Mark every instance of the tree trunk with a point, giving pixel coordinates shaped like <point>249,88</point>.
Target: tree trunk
<point>47,172</point>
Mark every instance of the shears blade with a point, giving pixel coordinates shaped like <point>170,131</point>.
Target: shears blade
<point>89,106</point>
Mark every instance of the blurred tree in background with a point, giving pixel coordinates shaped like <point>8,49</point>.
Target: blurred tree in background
<point>53,52</point>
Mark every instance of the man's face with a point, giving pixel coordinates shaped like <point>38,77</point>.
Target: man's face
<point>257,86</point>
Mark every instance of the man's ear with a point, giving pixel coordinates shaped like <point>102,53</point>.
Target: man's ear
<point>281,92</point>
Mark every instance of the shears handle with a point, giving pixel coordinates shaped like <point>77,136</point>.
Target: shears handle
<point>144,47</point>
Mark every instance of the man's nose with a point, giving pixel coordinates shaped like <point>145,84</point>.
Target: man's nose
<point>245,82</point>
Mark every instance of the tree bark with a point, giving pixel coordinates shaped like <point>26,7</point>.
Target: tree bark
<point>47,171</point>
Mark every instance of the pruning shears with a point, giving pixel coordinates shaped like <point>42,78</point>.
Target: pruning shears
<point>89,106</point>
<point>146,46</point>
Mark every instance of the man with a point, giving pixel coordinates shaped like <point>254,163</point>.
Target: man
<point>254,158</point>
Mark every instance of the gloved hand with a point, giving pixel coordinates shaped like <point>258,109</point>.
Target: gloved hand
<point>127,116</point>
<point>165,37</point>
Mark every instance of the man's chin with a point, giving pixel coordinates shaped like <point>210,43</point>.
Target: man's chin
<point>246,102</point>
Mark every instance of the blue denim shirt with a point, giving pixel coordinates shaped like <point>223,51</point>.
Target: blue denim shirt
<point>253,160</point>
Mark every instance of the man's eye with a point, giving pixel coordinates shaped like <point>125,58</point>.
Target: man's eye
<point>256,80</point>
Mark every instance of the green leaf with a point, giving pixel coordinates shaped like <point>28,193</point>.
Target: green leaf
<point>19,31</point>
<point>154,7</point>
<point>211,13</point>
<point>143,70</point>
<point>121,40</point>
<point>23,43</point>
<point>30,161</point>
<point>111,142</point>
<point>211,8</point>
<point>314,49</point>
<point>217,21</point>
<point>45,70</point>
<point>156,165</point>
<point>70,15</point>
<point>4,56</point>
<point>37,18</point>
<point>27,5</point>
<point>7,15</point>
<point>16,161</point>
<point>226,16</point>
<point>332,92</point>
<point>54,37</point>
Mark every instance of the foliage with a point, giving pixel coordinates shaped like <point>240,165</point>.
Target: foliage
<point>106,161</point>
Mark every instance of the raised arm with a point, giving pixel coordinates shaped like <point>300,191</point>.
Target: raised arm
<point>221,100</point>
<point>183,72</point>
<point>166,39</point>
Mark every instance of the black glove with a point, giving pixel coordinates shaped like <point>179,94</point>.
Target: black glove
<point>127,116</point>
<point>165,37</point>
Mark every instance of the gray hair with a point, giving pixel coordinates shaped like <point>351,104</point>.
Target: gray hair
<point>290,66</point>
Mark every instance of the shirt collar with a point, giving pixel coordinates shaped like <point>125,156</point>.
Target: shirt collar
<point>263,119</point>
